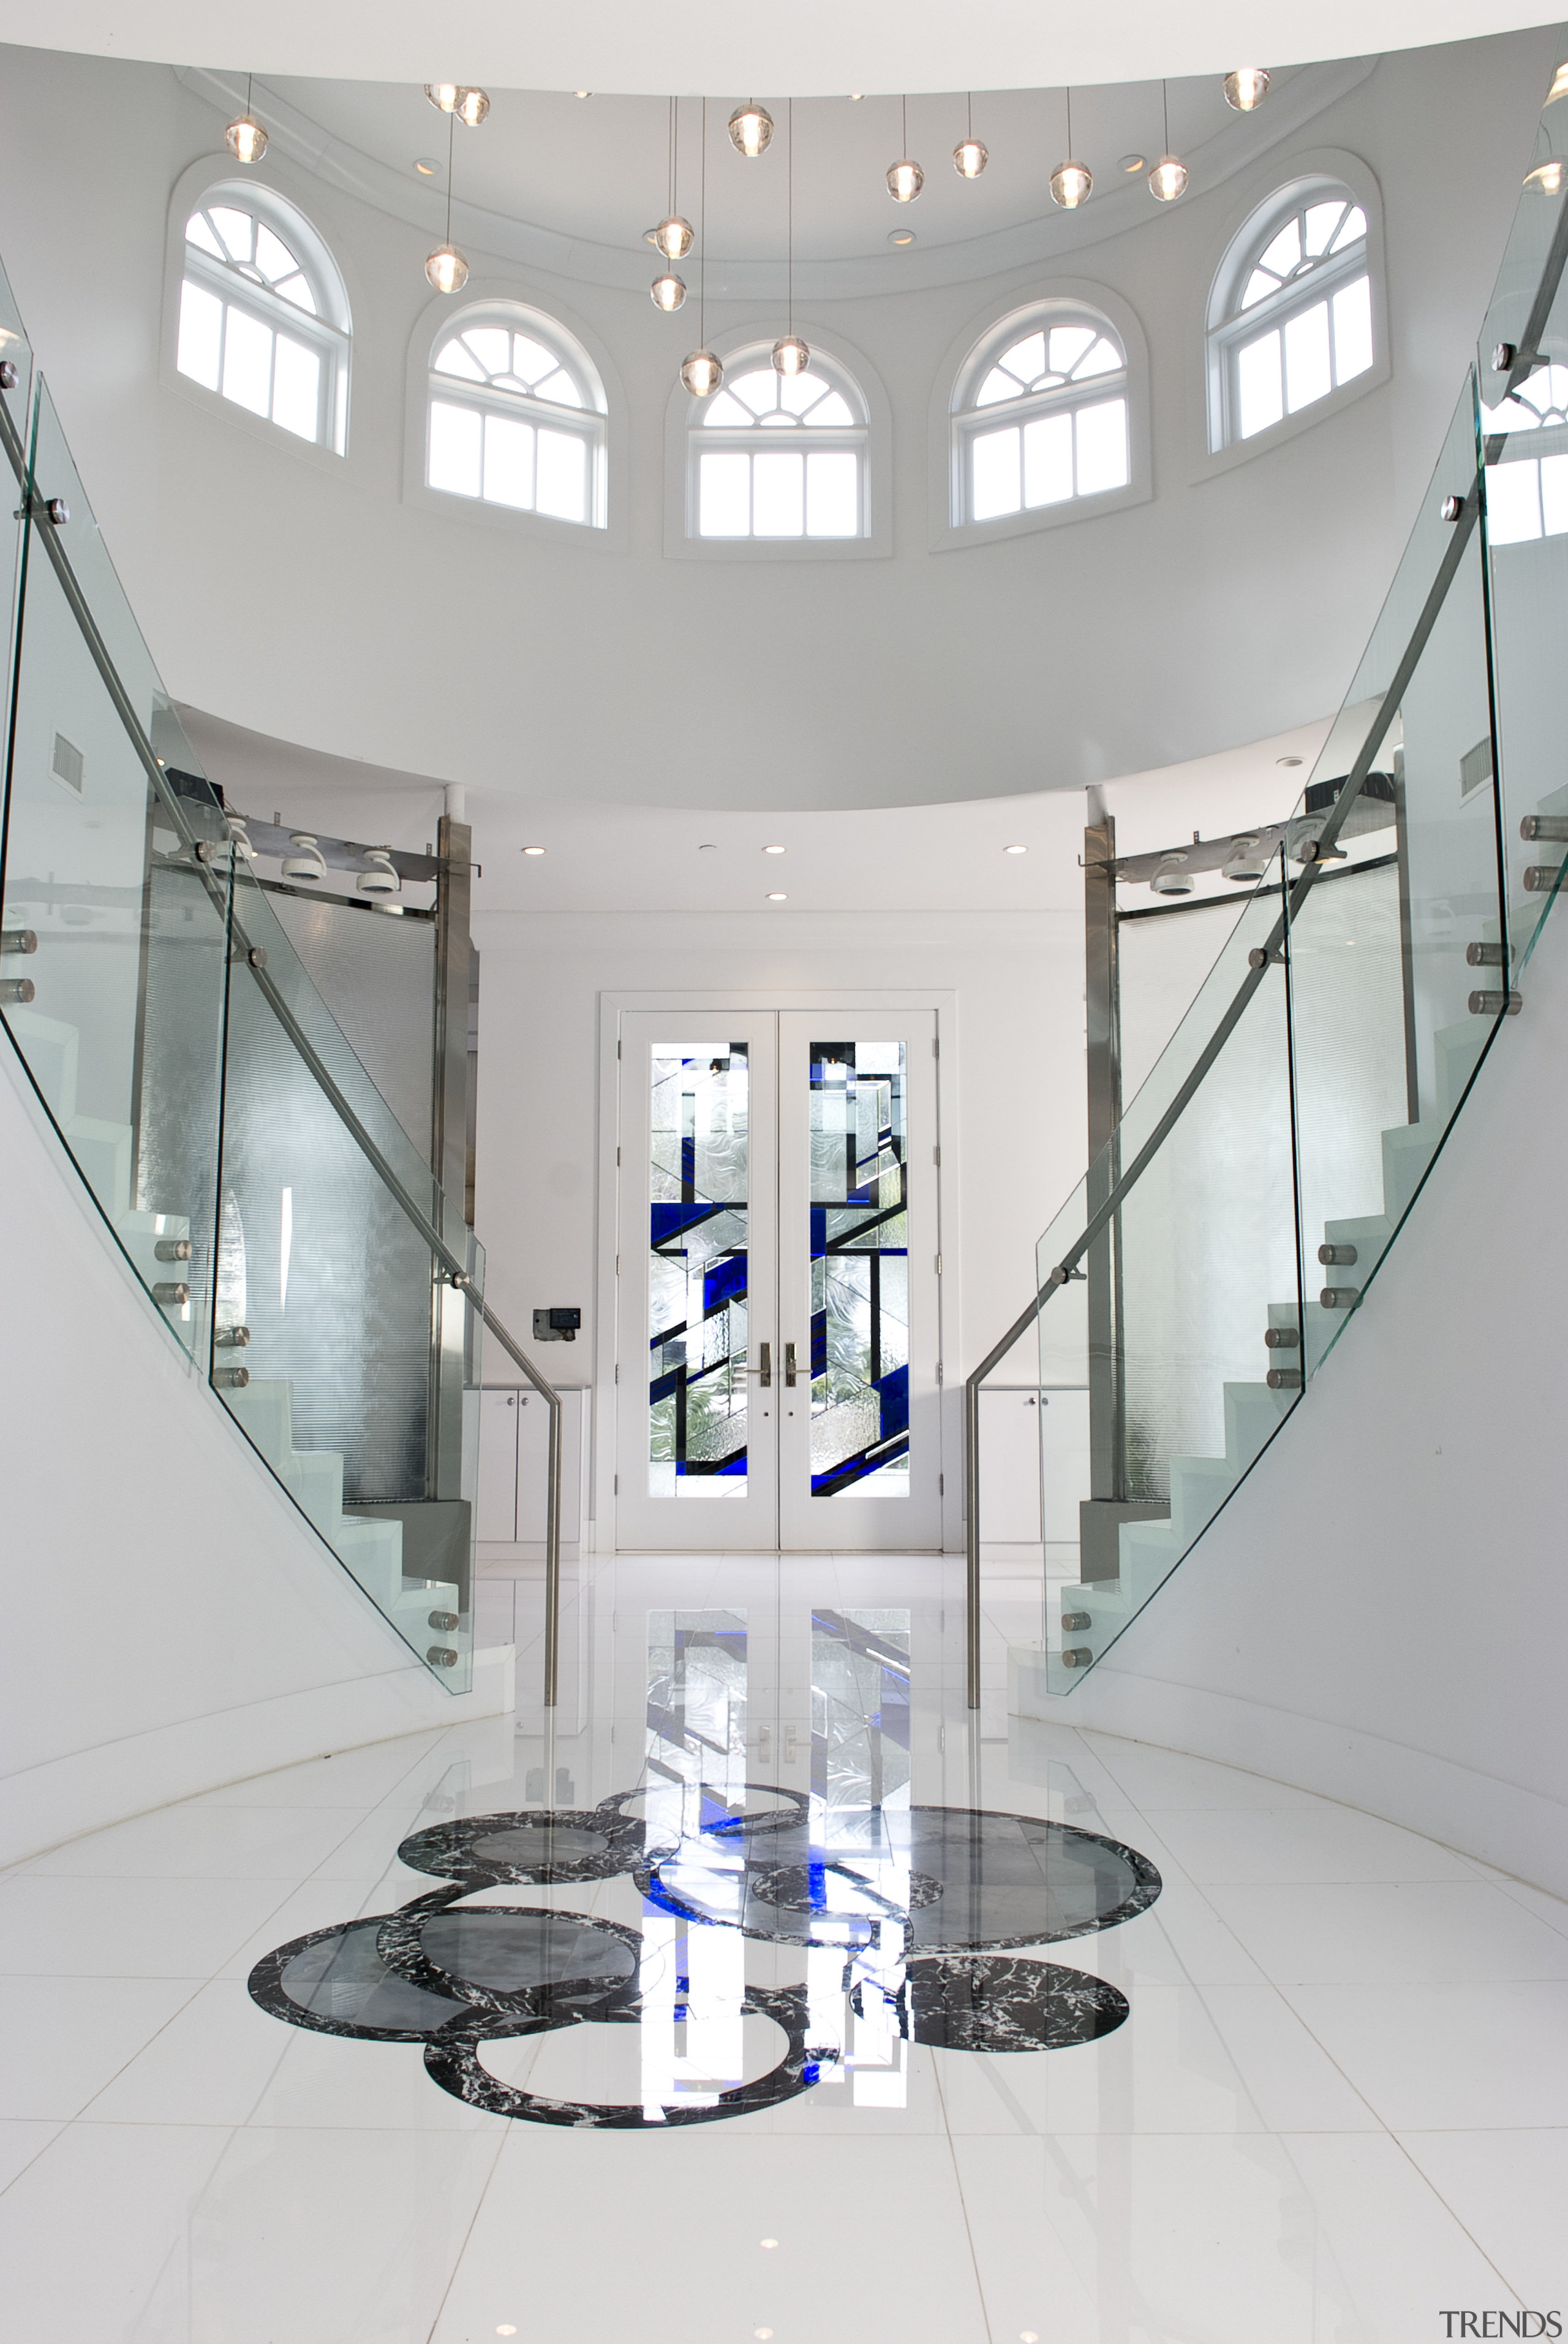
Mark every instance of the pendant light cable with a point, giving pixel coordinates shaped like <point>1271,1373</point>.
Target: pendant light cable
<point>702,232</point>
<point>968,114</point>
<point>790,138</point>
<point>451,128</point>
<point>1069,120</point>
<point>1165,112</point>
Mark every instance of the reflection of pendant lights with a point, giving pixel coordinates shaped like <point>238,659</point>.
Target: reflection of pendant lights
<point>446,268</point>
<point>673,235</point>
<point>905,179</point>
<point>703,371</point>
<point>1072,183</point>
<point>1246,88</point>
<point>1168,180</point>
<point>751,128</point>
<point>970,157</point>
<point>790,356</point>
<point>246,138</point>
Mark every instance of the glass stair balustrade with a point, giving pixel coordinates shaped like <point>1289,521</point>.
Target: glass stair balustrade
<point>288,1233</point>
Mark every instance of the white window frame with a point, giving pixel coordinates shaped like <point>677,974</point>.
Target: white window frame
<point>956,421</point>
<point>587,422</point>
<point>687,436</point>
<point>329,332</point>
<point>1328,175</point>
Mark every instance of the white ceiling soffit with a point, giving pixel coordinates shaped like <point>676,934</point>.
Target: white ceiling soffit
<point>813,49</point>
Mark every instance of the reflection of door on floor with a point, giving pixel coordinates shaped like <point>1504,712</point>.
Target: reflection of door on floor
<point>778,1296</point>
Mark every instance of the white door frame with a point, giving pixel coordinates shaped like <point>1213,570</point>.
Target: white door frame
<point>943,1001</point>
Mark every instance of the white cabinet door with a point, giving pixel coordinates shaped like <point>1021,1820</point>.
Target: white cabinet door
<point>496,1507</point>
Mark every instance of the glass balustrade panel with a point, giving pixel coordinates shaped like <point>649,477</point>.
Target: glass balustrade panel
<point>114,934</point>
<point>16,439</point>
<point>1389,1010</point>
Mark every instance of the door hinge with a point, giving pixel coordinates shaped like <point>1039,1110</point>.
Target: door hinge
<point>939,1265</point>
<point>618,1372</point>
<point>935,1045</point>
<point>618,1049</point>
<point>942,1485</point>
<point>936,1154</point>
<point>617,1265</point>
<point>939,1371</point>
<point>617,1489</point>
<point>618,1159</point>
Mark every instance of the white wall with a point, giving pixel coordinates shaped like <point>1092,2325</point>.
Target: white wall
<point>305,599</point>
<point>1012,1084</point>
<point>173,1623</point>
<point>1381,1612</point>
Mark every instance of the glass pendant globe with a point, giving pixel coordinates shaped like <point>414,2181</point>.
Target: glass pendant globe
<point>970,158</point>
<point>667,292</point>
<point>1246,88</point>
<point>246,139</point>
<point>1072,184</point>
<point>446,270</point>
<point>1168,180</point>
<point>443,95</point>
<point>473,104</point>
<point>702,373</point>
<point>790,356</point>
<point>751,128</point>
<point>674,237</point>
<point>905,181</point>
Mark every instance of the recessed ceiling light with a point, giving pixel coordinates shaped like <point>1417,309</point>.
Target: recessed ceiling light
<point>582,93</point>
<point>533,850</point>
<point>778,899</point>
<point>768,2242</point>
<point>1287,760</point>
<point>856,96</point>
<point>1133,164</point>
<point>427,167</point>
<point>773,850</point>
<point>506,2328</point>
<point>1015,850</point>
<point>900,235</point>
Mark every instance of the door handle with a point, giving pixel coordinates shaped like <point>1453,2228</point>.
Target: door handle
<point>790,1363</point>
<point>764,1374</point>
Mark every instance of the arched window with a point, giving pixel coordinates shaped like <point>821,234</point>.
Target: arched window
<point>517,415</point>
<point>1290,315</point>
<point>264,317</point>
<point>778,456</point>
<point>1040,414</point>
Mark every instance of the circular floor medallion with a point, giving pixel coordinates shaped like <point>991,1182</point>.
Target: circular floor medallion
<point>981,2003</point>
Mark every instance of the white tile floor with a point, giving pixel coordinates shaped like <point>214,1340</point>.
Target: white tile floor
<point>1338,2108</point>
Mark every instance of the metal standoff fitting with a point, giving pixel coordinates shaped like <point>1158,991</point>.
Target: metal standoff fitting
<point>1337,1257</point>
<point>1283,1380</point>
<point>1339,1298</point>
<point>1542,878</point>
<point>57,510</point>
<point>1496,1005</point>
<point>230,1379</point>
<point>18,940</point>
<point>207,850</point>
<point>1282,1338</point>
<point>1257,957</point>
<point>171,1291</point>
<point>256,956</point>
<point>1487,955</point>
<point>7,374</point>
<point>17,988</point>
<point>1451,507</point>
<point>1552,829</point>
<point>442,1656</point>
<point>1073,1624</point>
<point>232,1339</point>
<point>1502,356</point>
<point>460,1280</point>
<point>1076,1656</point>
<point>445,1621</point>
<point>171,1249</point>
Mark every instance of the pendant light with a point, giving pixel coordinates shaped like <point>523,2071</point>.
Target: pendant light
<point>751,128</point>
<point>1246,88</point>
<point>1168,180</point>
<point>673,235</point>
<point>379,876</point>
<point>446,268</point>
<point>443,95</point>
<point>1072,183</point>
<point>703,371</point>
<point>307,861</point>
<point>905,179</point>
<point>790,356</point>
<point>244,137</point>
<point>970,157</point>
<point>472,108</point>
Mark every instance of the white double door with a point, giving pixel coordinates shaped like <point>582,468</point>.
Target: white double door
<point>778,1282</point>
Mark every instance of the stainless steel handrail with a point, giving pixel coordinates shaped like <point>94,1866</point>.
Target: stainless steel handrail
<point>552,1400</point>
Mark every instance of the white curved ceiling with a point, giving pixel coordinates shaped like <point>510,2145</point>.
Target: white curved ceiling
<point>813,48</point>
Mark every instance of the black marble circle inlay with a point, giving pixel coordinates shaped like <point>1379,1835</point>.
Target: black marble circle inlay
<point>977,2003</point>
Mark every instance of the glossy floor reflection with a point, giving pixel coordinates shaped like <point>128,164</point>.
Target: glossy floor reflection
<point>298,2088</point>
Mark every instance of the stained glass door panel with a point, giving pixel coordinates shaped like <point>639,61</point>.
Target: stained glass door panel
<point>695,1450</point>
<point>858,1286</point>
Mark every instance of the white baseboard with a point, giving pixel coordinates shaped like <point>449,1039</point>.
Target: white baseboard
<point>1518,1831</point>
<point>43,1805</point>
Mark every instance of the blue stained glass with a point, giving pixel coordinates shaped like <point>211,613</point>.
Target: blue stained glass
<point>860,1269</point>
<point>699,1261</point>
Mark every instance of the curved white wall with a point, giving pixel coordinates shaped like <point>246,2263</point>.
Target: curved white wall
<point>1380,1612</point>
<point>305,599</point>
<point>171,1621</point>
